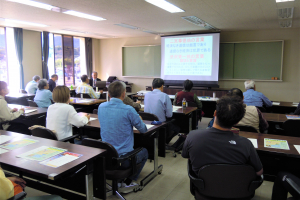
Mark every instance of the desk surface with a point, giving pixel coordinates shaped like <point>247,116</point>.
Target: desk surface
<point>180,110</point>
<point>86,102</point>
<point>19,95</point>
<point>37,112</point>
<point>96,124</point>
<point>285,104</point>
<point>274,117</point>
<point>33,167</point>
<point>260,142</point>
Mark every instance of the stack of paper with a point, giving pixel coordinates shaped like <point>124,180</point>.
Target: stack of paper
<point>42,153</point>
<point>148,126</point>
<point>84,101</point>
<point>298,148</point>
<point>254,142</point>
<point>295,104</point>
<point>277,144</point>
<point>30,111</point>
<point>175,108</point>
<point>276,103</point>
<point>92,118</point>
<point>61,159</point>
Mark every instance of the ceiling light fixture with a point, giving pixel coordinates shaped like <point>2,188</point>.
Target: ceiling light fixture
<point>199,22</point>
<point>286,23</point>
<point>151,32</point>
<point>165,5</point>
<point>285,13</point>
<point>23,22</point>
<point>279,1</point>
<point>127,26</point>
<point>83,15</point>
<point>35,4</point>
<point>85,32</point>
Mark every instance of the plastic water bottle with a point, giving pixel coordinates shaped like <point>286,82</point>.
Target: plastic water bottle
<point>71,87</point>
<point>184,103</point>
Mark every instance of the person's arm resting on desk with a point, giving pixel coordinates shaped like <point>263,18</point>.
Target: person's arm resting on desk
<point>76,119</point>
<point>93,94</point>
<point>198,102</point>
<point>136,121</point>
<point>266,101</point>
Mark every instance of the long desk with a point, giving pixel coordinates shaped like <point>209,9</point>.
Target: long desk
<point>85,102</point>
<point>48,179</point>
<point>141,140</point>
<point>19,98</point>
<point>276,160</point>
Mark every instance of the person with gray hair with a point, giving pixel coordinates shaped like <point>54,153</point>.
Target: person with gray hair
<point>31,87</point>
<point>94,79</point>
<point>43,96</point>
<point>117,120</point>
<point>254,98</point>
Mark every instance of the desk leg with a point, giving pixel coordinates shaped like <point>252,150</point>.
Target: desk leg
<point>89,187</point>
<point>190,122</point>
<point>157,169</point>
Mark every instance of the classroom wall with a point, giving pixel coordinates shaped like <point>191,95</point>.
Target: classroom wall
<point>110,61</point>
<point>32,54</point>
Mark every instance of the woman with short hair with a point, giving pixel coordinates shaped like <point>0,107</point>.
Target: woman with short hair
<point>61,116</point>
<point>43,96</point>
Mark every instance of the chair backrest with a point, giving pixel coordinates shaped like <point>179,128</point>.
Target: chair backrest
<point>293,188</point>
<point>228,181</point>
<point>246,128</point>
<point>262,109</point>
<point>291,127</point>
<point>95,111</point>
<point>18,196</point>
<point>43,133</point>
<point>148,116</point>
<point>22,91</point>
<point>111,152</point>
<point>190,104</point>
<point>86,96</point>
<point>32,103</point>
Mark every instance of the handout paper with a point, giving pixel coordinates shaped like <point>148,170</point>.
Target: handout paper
<point>5,138</point>
<point>61,159</point>
<point>254,142</point>
<point>42,153</point>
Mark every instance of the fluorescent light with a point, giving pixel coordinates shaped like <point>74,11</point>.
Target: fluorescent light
<point>83,15</point>
<point>165,5</point>
<point>279,1</point>
<point>127,26</point>
<point>285,13</point>
<point>199,22</point>
<point>34,3</point>
<point>23,22</point>
<point>286,23</point>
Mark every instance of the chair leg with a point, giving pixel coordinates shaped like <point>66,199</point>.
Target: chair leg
<point>114,186</point>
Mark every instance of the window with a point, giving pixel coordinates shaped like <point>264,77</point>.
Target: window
<point>67,58</point>
<point>9,64</point>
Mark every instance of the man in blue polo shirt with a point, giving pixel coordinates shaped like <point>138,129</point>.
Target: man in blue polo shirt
<point>254,98</point>
<point>117,120</point>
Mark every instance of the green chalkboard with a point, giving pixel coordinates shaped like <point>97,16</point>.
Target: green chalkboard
<point>144,61</point>
<point>251,60</point>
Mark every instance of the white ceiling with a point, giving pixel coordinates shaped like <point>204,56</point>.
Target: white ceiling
<point>226,15</point>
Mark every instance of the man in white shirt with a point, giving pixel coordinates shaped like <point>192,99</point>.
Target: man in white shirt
<point>32,87</point>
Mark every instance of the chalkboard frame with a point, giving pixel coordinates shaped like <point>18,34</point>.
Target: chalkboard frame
<point>260,80</point>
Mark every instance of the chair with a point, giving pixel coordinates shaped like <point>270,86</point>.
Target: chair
<point>95,111</point>
<point>290,127</point>
<point>48,134</point>
<point>224,181</point>
<point>19,196</point>
<point>148,116</point>
<point>32,103</point>
<point>246,128</point>
<point>262,109</point>
<point>86,96</point>
<point>22,91</point>
<point>293,187</point>
<point>113,161</point>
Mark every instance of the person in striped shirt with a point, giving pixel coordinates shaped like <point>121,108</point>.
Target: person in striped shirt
<point>85,88</point>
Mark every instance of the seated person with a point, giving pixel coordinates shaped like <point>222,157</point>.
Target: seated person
<point>159,103</point>
<point>31,87</point>
<point>117,120</point>
<point>254,98</point>
<point>43,96</point>
<point>189,96</point>
<point>52,82</point>
<point>218,145</point>
<point>11,186</point>
<point>281,188</point>
<point>84,88</point>
<point>61,116</point>
<point>94,79</point>
<point>135,105</point>
<point>253,117</point>
<point>297,111</point>
<point>7,114</point>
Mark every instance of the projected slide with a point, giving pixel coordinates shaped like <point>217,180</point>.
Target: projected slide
<point>194,57</point>
<point>188,56</point>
